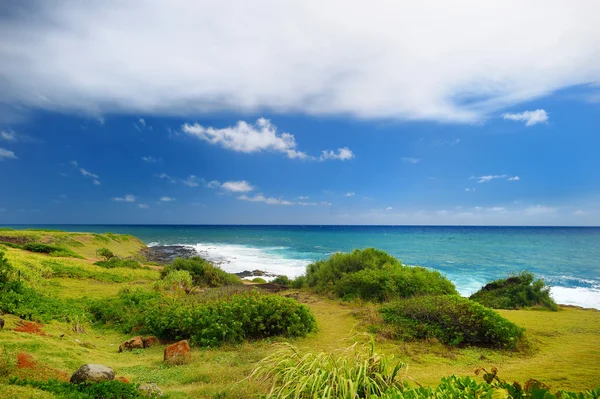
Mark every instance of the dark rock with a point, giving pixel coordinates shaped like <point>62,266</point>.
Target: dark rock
<point>150,341</point>
<point>164,254</point>
<point>254,273</point>
<point>92,373</point>
<point>178,353</point>
<point>1,323</point>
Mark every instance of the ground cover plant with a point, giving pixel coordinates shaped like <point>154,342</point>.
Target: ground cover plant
<point>114,262</point>
<point>515,292</point>
<point>204,273</point>
<point>100,390</point>
<point>373,275</point>
<point>452,319</point>
<point>52,250</point>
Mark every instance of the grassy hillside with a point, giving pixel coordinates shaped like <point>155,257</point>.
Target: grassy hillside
<point>563,347</point>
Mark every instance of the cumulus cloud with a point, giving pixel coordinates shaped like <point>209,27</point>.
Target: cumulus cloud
<point>410,160</point>
<point>237,186</point>
<point>529,117</point>
<point>166,199</point>
<point>342,154</point>
<point>192,181</point>
<point>164,176</point>
<point>389,208</point>
<point>469,189</point>
<point>6,154</point>
<point>514,178</point>
<point>287,58</point>
<point>125,198</point>
<point>350,194</point>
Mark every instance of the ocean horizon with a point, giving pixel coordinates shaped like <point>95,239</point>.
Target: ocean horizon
<point>566,257</point>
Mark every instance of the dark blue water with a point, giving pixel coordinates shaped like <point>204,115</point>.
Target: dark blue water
<point>568,258</point>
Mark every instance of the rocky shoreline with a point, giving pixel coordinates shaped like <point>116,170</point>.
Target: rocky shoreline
<point>164,254</point>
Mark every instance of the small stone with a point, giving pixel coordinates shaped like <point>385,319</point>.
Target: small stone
<point>150,390</point>
<point>1,323</point>
<point>92,373</point>
<point>133,343</point>
<point>178,353</point>
<point>150,341</point>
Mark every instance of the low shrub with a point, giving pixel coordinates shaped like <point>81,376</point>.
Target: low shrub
<point>51,250</point>
<point>373,275</point>
<point>116,262</point>
<point>453,320</point>
<point>101,390</point>
<point>514,292</point>
<point>204,273</point>
<point>105,253</point>
<point>125,311</point>
<point>62,270</point>
<point>175,280</point>
<point>282,280</point>
<point>259,280</point>
<point>8,362</point>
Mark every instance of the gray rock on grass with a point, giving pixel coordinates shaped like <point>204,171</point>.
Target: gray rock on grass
<point>92,373</point>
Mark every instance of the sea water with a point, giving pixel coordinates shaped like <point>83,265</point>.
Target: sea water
<point>567,258</point>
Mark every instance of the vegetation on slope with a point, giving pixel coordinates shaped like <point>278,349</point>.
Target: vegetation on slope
<point>515,292</point>
<point>373,275</point>
<point>204,273</point>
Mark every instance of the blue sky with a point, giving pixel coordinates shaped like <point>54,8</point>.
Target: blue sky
<point>104,120</point>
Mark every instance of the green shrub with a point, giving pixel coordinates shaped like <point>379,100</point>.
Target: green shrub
<point>282,280</point>
<point>105,253</point>
<point>51,250</point>
<point>204,274</point>
<point>6,269</point>
<point>373,275</point>
<point>8,362</point>
<point>259,280</point>
<point>126,311</point>
<point>175,280</point>
<point>514,292</point>
<point>116,262</point>
<point>100,390</point>
<point>453,320</point>
<point>299,282</point>
<point>61,270</point>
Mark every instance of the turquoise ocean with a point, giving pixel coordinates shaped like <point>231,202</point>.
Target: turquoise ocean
<point>567,258</point>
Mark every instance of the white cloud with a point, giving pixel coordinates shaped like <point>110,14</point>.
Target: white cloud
<point>266,200</point>
<point>8,136</point>
<point>529,117</point>
<point>578,212</point>
<point>11,136</point>
<point>539,210</point>
<point>143,206</point>
<point>96,182</point>
<point>125,198</point>
<point>167,199</point>
<point>149,159</point>
<point>514,178</point>
<point>237,186</point>
<point>74,163</point>
<point>192,181</point>
<point>389,208</point>
<point>213,184</point>
<point>6,154</point>
<point>305,203</point>
<point>497,209</point>
<point>342,154</point>
<point>244,137</point>
<point>489,178</point>
<point>142,122</point>
<point>350,194</point>
<point>166,177</point>
<point>87,173</point>
<point>469,189</point>
<point>303,198</point>
<point>398,60</point>
<point>410,160</point>
<point>326,203</point>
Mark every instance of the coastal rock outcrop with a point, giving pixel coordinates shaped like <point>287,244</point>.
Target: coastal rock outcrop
<point>150,390</point>
<point>133,343</point>
<point>92,373</point>
<point>178,353</point>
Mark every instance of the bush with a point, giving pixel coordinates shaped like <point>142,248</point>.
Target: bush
<point>514,292</point>
<point>453,320</point>
<point>105,253</point>
<point>204,274</point>
<point>100,390</point>
<point>373,275</point>
<point>259,280</point>
<point>116,262</point>
<point>282,280</point>
<point>175,280</point>
<point>51,250</point>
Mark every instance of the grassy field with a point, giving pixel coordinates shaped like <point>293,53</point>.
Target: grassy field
<point>564,346</point>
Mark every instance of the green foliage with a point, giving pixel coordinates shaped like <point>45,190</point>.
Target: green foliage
<point>51,250</point>
<point>259,280</point>
<point>62,270</point>
<point>5,269</point>
<point>11,244</point>
<point>373,275</point>
<point>116,262</point>
<point>100,390</point>
<point>299,282</point>
<point>282,280</point>
<point>514,292</point>
<point>453,320</point>
<point>175,280</point>
<point>359,373</point>
<point>105,253</point>
<point>204,274</point>
<point>8,362</point>
<point>230,319</point>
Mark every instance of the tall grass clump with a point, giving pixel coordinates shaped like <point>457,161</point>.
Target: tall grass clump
<point>357,373</point>
<point>373,275</point>
<point>204,273</point>
<point>52,250</point>
<point>514,292</point>
<point>453,320</point>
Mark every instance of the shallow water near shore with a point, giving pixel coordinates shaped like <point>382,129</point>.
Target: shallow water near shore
<point>568,258</point>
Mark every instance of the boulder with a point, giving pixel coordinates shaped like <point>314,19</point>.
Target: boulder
<point>1,323</point>
<point>150,341</point>
<point>133,343</point>
<point>92,373</point>
<point>178,353</point>
<point>150,390</point>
